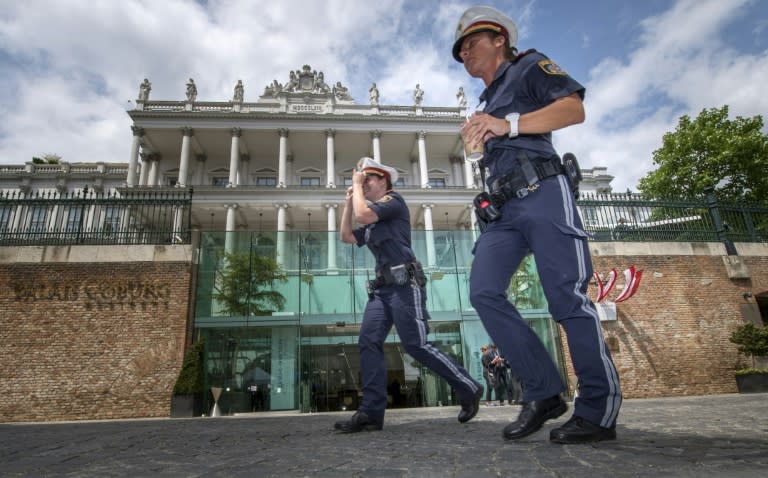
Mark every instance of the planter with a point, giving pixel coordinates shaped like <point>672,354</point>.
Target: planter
<point>185,406</point>
<point>752,383</point>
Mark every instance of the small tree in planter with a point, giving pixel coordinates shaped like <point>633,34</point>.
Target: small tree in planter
<point>187,399</point>
<point>752,342</point>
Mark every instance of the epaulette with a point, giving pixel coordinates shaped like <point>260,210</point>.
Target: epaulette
<point>520,55</point>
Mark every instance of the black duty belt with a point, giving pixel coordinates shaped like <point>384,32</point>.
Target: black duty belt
<point>413,270</point>
<point>520,182</point>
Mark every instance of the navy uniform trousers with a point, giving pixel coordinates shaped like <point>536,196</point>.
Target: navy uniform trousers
<point>405,307</point>
<point>546,223</point>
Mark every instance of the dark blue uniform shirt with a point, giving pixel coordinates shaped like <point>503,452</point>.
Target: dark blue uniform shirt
<point>389,239</point>
<point>530,83</point>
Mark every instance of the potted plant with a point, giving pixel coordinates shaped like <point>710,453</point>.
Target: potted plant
<point>753,342</point>
<point>187,398</point>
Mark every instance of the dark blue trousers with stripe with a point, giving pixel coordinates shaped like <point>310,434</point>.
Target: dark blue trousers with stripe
<point>546,223</point>
<point>405,307</point>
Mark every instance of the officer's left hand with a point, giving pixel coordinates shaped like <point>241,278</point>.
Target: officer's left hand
<point>485,126</point>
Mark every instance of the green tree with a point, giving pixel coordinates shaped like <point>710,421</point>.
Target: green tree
<point>711,151</point>
<point>243,284</point>
<point>190,380</point>
<point>48,158</point>
<point>752,340</point>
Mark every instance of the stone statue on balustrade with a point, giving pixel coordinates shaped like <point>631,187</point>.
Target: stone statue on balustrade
<point>373,94</point>
<point>319,85</point>
<point>462,99</point>
<point>341,92</point>
<point>418,95</point>
<point>273,89</point>
<point>239,92</point>
<point>144,88</point>
<point>191,90</point>
<point>293,81</point>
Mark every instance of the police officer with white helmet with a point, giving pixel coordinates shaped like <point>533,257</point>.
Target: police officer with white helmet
<point>527,96</point>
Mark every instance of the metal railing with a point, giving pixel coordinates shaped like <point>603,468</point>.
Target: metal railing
<point>629,217</point>
<point>162,216</point>
<point>123,217</point>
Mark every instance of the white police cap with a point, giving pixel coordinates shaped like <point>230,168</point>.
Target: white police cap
<point>483,19</point>
<point>369,165</point>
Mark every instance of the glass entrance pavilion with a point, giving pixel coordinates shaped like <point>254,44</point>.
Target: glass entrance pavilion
<point>305,355</point>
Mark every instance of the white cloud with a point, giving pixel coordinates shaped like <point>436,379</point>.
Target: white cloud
<point>69,66</point>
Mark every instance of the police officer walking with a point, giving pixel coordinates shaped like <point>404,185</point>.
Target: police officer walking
<point>396,297</point>
<point>527,96</point>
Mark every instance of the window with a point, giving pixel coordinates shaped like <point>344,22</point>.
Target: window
<point>5,218</point>
<point>310,182</point>
<point>38,217</point>
<point>220,181</point>
<point>437,182</point>
<point>266,181</point>
<point>74,219</point>
<point>590,215</point>
<point>171,180</point>
<point>111,220</point>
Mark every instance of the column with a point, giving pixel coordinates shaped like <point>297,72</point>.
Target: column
<point>133,161</point>
<point>282,158</point>
<point>332,240</point>
<point>415,171</point>
<point>457,176</point>
<point>280,247</point>
<point>469,175</point>
<point>184,162</point>
<point>330,153</point>
<point>200,169</point>
<point>429,234</point>
<point>422,135</point>
<point>152,178</point>
<point>144,169</point>
<point>376,137</point>
<point>178,221</point>
<point>234,157</point>
<point>229,241</point>
<point>242,172</point>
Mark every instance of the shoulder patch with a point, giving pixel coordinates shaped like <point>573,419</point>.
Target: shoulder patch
<point>551,68</point>
<point>385,198</point>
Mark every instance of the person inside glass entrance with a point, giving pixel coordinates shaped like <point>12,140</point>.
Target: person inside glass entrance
<point>396,297</point>
<point>527,96</point>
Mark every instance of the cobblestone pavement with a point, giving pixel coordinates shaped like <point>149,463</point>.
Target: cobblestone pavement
<point>711,436</point>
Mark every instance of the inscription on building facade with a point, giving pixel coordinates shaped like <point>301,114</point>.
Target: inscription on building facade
<point>97,294</point>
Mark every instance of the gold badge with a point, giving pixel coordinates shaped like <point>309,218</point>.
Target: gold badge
<point>386,198</point>
<point>551,68</point>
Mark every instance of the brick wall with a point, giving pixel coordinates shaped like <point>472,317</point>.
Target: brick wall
<point>671,337</point>
<point>90,340</point>
<point>98,333</point>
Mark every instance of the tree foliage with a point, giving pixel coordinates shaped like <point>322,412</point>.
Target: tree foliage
<point>190,380</point>
<point>711,151</point>
<point>243,284</point>
<point>752,340</point>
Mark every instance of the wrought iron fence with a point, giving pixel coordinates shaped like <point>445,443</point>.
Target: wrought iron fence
<point>629,217</point>
<point>163,217</point>
<point>86,217</point>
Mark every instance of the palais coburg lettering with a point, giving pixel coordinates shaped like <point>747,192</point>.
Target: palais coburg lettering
<point>98,294</point>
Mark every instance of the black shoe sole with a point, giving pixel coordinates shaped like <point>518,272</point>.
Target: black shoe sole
<point>364,428</point>
<point>595,437</point>
<point>476,402</point>
<point>554,413</point>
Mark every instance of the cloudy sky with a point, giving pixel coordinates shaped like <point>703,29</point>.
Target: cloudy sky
<point>68,68</point>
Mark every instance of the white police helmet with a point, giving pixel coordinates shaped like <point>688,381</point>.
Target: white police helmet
<point>368,165</point>
<point>483,19</point>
